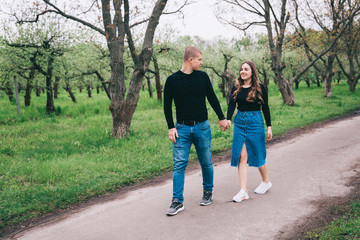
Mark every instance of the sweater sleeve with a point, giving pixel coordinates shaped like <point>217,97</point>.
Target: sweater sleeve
<point>232,105</point>
<point>265,106</point>
<point>213,100</point>
<point>168,97</point>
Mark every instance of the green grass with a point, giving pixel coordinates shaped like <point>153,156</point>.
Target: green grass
<point>347,227</point>
<point>50,162</point>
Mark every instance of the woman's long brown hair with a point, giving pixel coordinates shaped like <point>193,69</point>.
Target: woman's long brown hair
<point>255,92</point>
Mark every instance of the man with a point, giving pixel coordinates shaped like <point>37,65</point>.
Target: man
<point>189,87</point>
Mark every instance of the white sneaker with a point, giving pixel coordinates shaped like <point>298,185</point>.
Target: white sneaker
<point>263,187</point>
<point>242,195</point>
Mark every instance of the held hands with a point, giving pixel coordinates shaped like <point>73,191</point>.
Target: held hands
<point>224,124</point>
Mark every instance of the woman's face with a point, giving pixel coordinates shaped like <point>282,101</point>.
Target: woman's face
<point>245,72</point>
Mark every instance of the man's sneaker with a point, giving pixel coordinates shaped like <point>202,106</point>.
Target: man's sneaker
<point>206,199</point>
<point>263,187</point>
<point>175,207</point>
<point>242,195</point>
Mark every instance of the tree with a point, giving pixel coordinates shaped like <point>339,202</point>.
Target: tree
<point>39,47</point>
<point>349,48</point>
<point>117,31</point>
<point>333,22</point>
<point>7,71</point>
<point>227,78</point>
<point>156,71</point>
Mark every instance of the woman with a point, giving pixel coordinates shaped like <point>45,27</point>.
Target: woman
<point>249,133</point>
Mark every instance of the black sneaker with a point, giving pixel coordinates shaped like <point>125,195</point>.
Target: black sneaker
<point>175,207</point>
<point>206,199</point>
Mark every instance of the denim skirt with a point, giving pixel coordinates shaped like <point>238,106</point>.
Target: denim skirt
<point>249,129</point>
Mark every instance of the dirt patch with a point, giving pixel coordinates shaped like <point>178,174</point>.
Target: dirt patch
<point>322,217</point>
<point>328,210</point>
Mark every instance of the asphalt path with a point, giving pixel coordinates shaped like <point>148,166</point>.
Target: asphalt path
<point>311,166</point>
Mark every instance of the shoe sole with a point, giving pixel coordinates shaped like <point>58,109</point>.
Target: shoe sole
<point>263,192</point>
<point>205,204</point>
<point>179,210</point>
<point>240,200</point>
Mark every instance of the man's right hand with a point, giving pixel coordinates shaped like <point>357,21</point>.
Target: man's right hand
<point>173,134</point>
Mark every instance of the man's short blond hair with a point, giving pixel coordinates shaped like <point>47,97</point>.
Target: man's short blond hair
<point>191,52</point>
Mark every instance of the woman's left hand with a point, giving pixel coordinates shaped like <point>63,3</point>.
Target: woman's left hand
<point>269,133</point>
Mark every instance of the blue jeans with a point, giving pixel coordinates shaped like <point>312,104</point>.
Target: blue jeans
<point>200,136</point>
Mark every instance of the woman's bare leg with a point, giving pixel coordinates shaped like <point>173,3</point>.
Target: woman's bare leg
<point>264,173</point>
<point>243,168</point>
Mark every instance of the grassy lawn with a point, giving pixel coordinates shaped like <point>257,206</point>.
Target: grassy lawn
<point>346,227</point>
<point>49,162</point>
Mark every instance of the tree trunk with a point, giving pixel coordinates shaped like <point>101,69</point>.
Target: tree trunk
<point>229,80</point>
<point>352,81</point>
<point>97,89</point>
<point>266,80</point>
<point>103,84</point>
<point>27,97</point>
<point>338,78</point>
<point>328,75</point>
<point>38,91</point>
<point>20,88</point>
<point>149,86</point>
<point>317,79</point>
<point>327,85</point>
<point>222,86</point>
<point>157,80</point>
<point>80,88</point>
<point>50,107</point>
<point>122,112</point>
<point>285,88</point>
<point>9,91</point>
<point>89,89</point>
<point>69,90</point>
<point>56,87</point>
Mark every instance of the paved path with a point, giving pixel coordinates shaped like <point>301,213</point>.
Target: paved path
<point>306,168</point>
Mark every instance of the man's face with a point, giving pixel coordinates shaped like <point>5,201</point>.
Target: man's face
<point>196,62</point>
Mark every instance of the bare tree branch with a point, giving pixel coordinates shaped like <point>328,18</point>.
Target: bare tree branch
<point>94,1</point>
<point>242,26</point>
<point>62,13</point>
<point>252,9</point>
<point>186,3</point>
<point>129,34</point>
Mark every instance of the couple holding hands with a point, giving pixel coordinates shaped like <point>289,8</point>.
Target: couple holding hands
<point>189,88</point>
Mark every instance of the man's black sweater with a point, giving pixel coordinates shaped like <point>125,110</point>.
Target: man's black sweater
<point>189,92</point>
